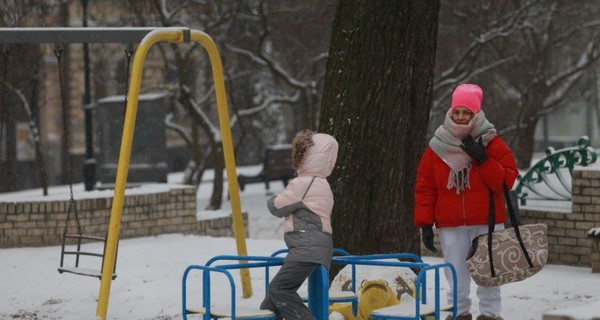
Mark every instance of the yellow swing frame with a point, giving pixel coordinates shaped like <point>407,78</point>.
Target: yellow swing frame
<point>176,35</point>
<point>150,37</point>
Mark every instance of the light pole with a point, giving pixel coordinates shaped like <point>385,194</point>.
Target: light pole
<point>89,166</point>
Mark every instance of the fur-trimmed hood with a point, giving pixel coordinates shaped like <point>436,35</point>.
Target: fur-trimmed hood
<point>319,159</point>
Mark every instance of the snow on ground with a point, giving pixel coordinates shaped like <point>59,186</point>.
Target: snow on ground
<point>149,271</point>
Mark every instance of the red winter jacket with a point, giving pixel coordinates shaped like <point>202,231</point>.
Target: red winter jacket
<point>436,204</point>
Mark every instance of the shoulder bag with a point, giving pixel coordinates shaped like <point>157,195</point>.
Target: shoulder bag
<point>513,254</point>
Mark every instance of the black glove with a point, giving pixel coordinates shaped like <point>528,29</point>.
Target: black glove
<point>474,149</point>
<point>427,232</point>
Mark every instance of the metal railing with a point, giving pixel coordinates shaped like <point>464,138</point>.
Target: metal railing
<point>550,178</point>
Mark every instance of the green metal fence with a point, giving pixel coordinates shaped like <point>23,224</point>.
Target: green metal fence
<point>550,177</point>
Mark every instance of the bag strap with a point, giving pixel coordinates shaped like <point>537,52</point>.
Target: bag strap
<point>491,227</point>
<point>514,222</point>
<point>511,211</point>
<point>310,184</point>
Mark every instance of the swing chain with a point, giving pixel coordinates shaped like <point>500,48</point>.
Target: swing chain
<point>72,209</point>
<point>128,53</point>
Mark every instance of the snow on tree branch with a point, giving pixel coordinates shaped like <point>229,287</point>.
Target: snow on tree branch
<point>515,21</point>
<point>267,61</point>
<point>168,15</point>
<point>32,125</point>
<point>276,68</point>
<point>20,95</point>
<point>564,80</point>
<point>183,133</point>
<point>246,53</point>
<point>214,131</point>
<point>269,101</point>
<point>320,57</point>
<point>466,76</point>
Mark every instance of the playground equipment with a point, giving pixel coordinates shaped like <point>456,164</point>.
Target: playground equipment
<point>146,37</point>
<point>422,306</point>
<point>335,296</point>
<point>232,311</point>
<point>378,289</point>
<point>78,237</point>
<point>80,241</point>
<point>318,288</point>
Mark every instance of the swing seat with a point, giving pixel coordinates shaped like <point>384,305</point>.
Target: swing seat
<point>78,253</point>
<point>72,209</point>
<point>83,272</point>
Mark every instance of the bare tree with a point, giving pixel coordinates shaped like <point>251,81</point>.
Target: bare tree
<point>20,86</point>
<point>179,59</point>
<point>306,81</point>
<point>245,24</point>
<point>35,133</point>
<point>376,103</point>
<point>530,55</point>
<point>560,53</point>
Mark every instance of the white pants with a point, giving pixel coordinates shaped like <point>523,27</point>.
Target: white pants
<point>456,243</point>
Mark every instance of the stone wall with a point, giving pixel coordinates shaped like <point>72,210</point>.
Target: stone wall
<point>567,231</point>
<point>41,223</point>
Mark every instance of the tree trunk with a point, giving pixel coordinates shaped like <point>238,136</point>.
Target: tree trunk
<point>376,102</point>
<point>523,146</point>
<point>216,199</point>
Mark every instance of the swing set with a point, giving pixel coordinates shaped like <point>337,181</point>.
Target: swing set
<point>80,238</point>
<point>146,37</point>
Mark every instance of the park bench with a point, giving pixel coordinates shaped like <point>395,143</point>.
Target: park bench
<point>277,165</point>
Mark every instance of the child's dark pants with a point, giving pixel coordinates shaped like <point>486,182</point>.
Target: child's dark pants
<point>282,297</point>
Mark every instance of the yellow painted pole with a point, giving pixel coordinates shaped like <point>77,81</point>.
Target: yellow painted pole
<point>164,34</point>
<point>170,35</point>
<point>232,183</point>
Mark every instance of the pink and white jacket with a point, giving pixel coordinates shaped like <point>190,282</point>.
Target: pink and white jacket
<point>306,204</point>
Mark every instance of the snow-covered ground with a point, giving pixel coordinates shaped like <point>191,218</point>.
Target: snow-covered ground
<point>149,271</point>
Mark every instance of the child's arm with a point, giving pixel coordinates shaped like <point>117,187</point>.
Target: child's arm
<point>288,200</point>
<point>283,211</point>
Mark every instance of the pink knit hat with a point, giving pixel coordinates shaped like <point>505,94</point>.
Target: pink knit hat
<point>468,96</point>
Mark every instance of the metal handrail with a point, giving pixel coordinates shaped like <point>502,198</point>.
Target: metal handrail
<point>550,178</point>
<point>213,266</point>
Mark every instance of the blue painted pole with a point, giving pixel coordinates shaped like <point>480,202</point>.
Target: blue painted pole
<point>318,293</point>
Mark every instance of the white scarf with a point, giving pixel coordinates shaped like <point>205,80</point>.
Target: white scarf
<point>446,144</point>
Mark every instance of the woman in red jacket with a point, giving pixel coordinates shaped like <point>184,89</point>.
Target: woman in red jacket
<point>466,161</point>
